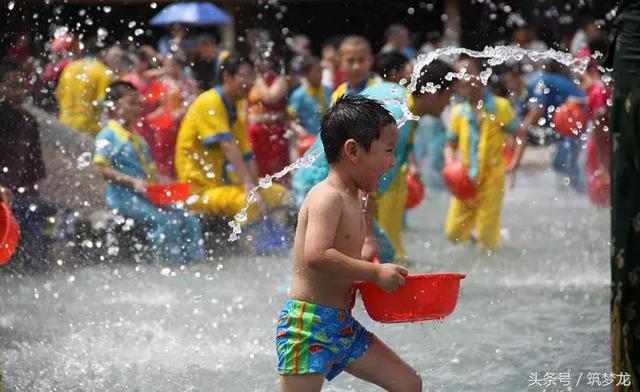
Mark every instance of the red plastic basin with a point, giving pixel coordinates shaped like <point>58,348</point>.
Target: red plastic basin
<point>422,297</point>
<point>168,193</point>
<point>570,119</point>
<point>415,192</point>
<point>458,182</point>
<point>9,233</point>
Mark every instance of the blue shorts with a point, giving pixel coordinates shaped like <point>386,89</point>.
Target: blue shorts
<point>313,338</point>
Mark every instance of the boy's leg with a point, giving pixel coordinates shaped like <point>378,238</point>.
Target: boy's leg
<point>301,382</point>
<point>383,367</point>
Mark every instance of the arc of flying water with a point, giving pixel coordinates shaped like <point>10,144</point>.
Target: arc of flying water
<point>497,55</point>
<point>265,182</point>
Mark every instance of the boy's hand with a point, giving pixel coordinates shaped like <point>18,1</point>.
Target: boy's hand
<point>390,276</point>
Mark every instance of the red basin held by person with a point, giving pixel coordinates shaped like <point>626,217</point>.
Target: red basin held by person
<point>457,180</point>
<point>422,297</point>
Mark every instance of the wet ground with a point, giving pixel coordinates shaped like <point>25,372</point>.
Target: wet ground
<point>540,304</point>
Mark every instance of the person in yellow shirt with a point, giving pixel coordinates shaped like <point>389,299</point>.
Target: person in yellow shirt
<point>82,87</point>
<point>356,60</point>
<point>479,129</point>
<point>212,150</point>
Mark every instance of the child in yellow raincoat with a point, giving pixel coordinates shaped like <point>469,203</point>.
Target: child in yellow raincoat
<point>479,129</point>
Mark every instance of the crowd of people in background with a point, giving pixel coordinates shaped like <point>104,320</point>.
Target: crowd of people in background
<point>192,111</point>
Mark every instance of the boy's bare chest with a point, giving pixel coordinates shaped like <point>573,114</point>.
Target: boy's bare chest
<point>352,229</point>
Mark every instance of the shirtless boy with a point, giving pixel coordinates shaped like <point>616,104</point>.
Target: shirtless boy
<point>317,337</point>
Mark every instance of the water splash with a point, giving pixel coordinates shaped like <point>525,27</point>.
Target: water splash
<point>496,55</point>
<point>265,183</point>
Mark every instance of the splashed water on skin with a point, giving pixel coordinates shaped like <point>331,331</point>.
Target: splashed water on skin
<point>496,55</point>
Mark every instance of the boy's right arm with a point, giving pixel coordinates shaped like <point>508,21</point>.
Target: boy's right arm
<point>324,213</point>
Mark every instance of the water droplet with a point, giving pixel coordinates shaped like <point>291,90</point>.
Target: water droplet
<point>83,160</point>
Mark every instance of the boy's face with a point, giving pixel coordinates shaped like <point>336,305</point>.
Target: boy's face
<point>314,75</point>
<point>356,61</point>
<point>129,108</point>
<point>378,160</point>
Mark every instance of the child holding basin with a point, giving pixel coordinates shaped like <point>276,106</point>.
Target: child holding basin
<point>317,337</point>
<point>123,158</point>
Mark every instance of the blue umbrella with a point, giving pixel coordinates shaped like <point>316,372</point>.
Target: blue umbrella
<point>203,14</point>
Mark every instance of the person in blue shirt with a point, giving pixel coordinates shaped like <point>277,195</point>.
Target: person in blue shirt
<point>546,92</point>
<point>391,95</point>
<point>310,101</point>
<point>123,158</point>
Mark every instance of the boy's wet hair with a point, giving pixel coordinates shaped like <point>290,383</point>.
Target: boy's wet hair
<point>117,90</point>
<point>391,61</point>
<point>352,117</point>
<point>435,73</point>
<point>354,40</point>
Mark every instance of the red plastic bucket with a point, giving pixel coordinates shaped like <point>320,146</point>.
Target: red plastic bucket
<point>458,182</point>
<point>415,192</point>
<point>168,193</point>
<point>9,233</point>
<point>570,119</point>
<point>422,297</point>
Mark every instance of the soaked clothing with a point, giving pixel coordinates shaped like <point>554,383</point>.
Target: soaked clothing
<point>392,191</point>
<point>176,236</point>
<point>313,338</point>
<point>267,137</point>
<point>430,139</point>
<point>625,196</point>
<point>480,143</point>
<point>550,90</point>
<point>81,88</point>
<point>346,88</point>
<point>21,167</point>
<point>200,161</point>
<point>598,187</point>
<point>308,104</point>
